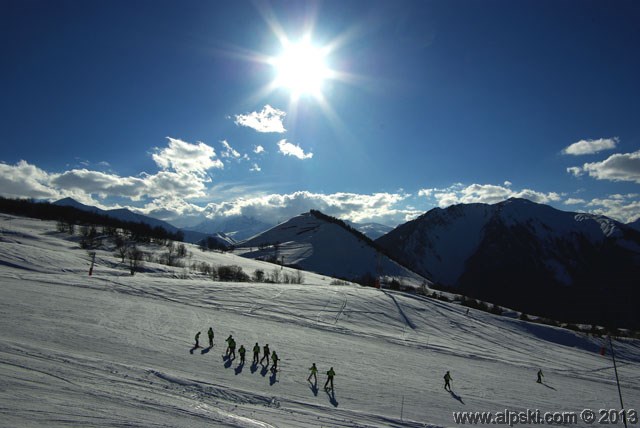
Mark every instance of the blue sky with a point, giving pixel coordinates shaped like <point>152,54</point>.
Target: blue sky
<point>170,108</point>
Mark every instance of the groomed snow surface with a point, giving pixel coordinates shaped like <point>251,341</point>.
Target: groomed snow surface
<point>113,350</point>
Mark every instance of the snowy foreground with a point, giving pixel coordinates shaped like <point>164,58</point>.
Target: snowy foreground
<point>114,349</point>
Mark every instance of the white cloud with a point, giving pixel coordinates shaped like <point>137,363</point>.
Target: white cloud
<point>575,201</point>
<point>25,180</point>
<point>228,152</point>
<point>267,120</point>
<point>507,183</point>
<point>617,167</point>
<point>575,171</point>
<point>255,168</point>
<point>484,193</point>
<point>183,174</point>
<point>588,147</point>
<point>185,157</point>
<point>624,208</point>
<point>425,192</point>
<point>258,149</point>
<point>290,149</point>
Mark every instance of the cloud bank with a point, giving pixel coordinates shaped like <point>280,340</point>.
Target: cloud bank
<point>484,193</point>
<point>617,167</point>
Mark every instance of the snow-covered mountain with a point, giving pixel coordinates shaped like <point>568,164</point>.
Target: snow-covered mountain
<point>372,230</point>
<point>237,227</point>
<point>528,255</point>
<point>127,215</point>
<point>115,350</point>
<point>318,243</point>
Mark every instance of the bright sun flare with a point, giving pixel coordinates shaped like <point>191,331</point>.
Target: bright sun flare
<point>301,69</point>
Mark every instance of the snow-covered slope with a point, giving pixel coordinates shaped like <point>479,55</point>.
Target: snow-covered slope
<point>315,244</point>
<point>114,350</point>
<point>517,251</point>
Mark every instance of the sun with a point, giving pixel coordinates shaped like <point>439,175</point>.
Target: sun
<point>301,68</point>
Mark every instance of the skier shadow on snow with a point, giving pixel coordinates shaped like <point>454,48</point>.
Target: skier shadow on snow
<point>548,386</point>
<point>456,396</point>
<point>238,369</point>
<point>314,388</point>
<point>193,349</point>
<point>272,378</point>
<point>332,397</point>
<point>254,367</point>
<point>264,371</point>
<point>206,350</point>
<point>228,362</point>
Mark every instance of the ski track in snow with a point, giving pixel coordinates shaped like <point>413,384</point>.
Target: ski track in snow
<point>113,350</point>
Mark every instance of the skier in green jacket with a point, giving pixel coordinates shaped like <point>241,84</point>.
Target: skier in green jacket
<point>275,359</point>
<point>242,351</point>
<point>314,373</point>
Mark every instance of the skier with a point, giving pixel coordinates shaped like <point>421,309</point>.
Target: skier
<point>314,372</point>
<point>210,333</point>
<point>256,353</point>
<point>232,348</point>
<point>265,348</point>
<point>228,340</point>
<point>242,351</point>
<point>330,375</point>
<point>540,376</point>
<point>447,379</point>
<point>274,357</point>
<point>197,345</point>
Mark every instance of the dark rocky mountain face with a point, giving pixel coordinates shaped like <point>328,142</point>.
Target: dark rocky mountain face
<point>531,257</point>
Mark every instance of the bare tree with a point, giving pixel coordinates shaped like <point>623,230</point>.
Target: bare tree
<point>135,259</point>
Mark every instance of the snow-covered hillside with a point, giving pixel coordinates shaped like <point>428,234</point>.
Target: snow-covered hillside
<point>116,350</point>
<point>318,245</point>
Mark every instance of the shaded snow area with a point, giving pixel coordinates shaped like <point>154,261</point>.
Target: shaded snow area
<point>317,245</point>
<point>115,350</point>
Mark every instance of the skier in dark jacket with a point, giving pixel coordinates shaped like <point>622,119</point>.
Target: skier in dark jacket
<point>197,345</point>
<point>265,348</point>
<point>210,333</point>
<point>540,376</point>
<point>242,351</point>
<point>314,373</point>
<point>232,348</point>
<point>275,359</point>
<point>256,353</point>
<point>228,340</point>
<point>330,375</point>
<point>447,379</point>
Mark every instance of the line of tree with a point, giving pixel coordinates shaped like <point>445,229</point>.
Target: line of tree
<point>72,216</point>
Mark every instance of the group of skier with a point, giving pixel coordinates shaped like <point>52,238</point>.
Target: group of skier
<point>230,353</point>
<point>314,374</point>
